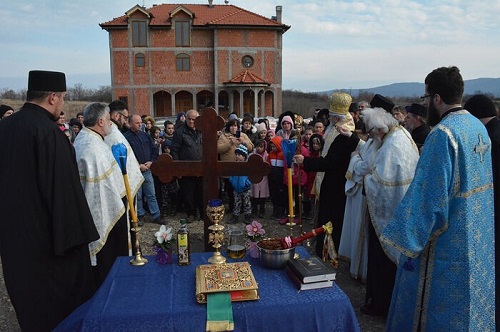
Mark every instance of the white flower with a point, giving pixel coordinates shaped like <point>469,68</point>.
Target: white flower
<point>164,234</point>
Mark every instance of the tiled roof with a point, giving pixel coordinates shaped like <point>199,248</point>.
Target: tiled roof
<point>246,77</point>
<point>203,16</point>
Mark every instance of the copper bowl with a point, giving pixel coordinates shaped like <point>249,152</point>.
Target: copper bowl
<point>274,258</point>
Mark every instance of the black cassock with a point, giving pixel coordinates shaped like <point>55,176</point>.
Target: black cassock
<point>332,191</point>
<point>45,223</point>
<point>493,128</point>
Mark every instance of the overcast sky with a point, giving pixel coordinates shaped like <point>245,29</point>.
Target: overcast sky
<point>330,45</point>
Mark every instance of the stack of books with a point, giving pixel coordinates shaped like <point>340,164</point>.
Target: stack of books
<point>310,273</point>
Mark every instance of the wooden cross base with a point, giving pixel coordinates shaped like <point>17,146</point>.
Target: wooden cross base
<point>209,168</point>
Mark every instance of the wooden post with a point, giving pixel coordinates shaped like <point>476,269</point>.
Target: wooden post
<point>209,123</point>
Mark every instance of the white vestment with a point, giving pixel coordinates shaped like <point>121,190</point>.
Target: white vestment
<point>134,174</point>
<point>102,182</point>
<point>354,241</point>
<point>392,172</point>
<point>135,178</point>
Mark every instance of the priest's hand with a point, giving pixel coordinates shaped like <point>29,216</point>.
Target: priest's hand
<point>344,131</point>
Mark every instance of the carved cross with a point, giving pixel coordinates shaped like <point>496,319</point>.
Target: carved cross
<point>209,123</point>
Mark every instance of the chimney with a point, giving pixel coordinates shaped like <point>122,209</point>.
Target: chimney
<point>278,13</point>
<point>210,3</point>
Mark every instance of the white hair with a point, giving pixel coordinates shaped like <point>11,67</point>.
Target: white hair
<point>378,118</point>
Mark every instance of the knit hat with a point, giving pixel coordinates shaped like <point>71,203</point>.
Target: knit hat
<point>40,80</point>
<point>481,107</point>
<point>242,150</point>
<point>288,119</point>
<point>4,109</point>
<point>339,104</point>
<point>261,127</point>
<point>382,102</point>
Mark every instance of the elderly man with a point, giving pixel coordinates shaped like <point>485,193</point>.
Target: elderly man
<point>46,223</point>
<point>385,185</point>
<point>444,227</point>
<point>146,153</point>
<point>416,123</point>
<point>339,144</point>
<point>186,145</point>
<point>104,188</point>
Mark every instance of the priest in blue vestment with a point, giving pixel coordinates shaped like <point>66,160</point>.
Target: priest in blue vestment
<point>444,227</point>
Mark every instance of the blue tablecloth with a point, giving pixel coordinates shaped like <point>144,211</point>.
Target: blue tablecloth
<point>157,297</point>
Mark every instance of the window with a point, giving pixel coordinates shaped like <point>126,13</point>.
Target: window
<point>183,62</point>
<point>182,33</point>
<point>140,60</point>
<point>139,33</point>
<point>247,61</point>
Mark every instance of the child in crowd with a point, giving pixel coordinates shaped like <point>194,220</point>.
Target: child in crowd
<point>261,132</point>
<point>299,179</point>
<point>275,178</point>
<point>316,143</point>
<point>260,191</point>
<point>269,135</point>
<point>241,187</point>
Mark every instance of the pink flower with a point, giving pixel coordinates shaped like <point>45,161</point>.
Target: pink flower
<point>255,230</point>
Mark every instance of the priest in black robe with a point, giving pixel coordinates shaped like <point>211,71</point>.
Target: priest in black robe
<point>485,110</point>
<point>46,224</point>
<point>340,142</point>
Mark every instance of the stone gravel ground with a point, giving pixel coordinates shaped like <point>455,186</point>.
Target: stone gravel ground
<point>354,289</point>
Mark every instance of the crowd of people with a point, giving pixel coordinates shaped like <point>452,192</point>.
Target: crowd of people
<point>409,190</point>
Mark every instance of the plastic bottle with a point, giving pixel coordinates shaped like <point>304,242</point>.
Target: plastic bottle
<point>183,257</point>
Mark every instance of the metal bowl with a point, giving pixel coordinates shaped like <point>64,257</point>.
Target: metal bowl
<point>275,258</point>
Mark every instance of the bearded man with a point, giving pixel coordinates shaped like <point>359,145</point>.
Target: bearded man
<point>444,227</point>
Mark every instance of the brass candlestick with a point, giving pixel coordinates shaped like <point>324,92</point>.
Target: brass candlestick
<point>138,259</point>
<point>215,212</point>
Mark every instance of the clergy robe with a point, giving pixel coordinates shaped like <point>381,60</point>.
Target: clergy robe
<point>103,184</point>
<point>332,202</point>
<point>135,178</point>
<point>493,128</point>
<point>354,240</point>
<point>392,172</point>
<point>420,133</point>
<point>46,223</point>
<point>444,229</point>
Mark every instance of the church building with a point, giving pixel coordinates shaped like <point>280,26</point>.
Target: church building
<point>174,57</point>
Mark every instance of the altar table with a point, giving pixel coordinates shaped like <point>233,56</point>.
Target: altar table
<point>157,297</point>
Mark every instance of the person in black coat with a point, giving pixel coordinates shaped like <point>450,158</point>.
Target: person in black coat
<point>416,123</point>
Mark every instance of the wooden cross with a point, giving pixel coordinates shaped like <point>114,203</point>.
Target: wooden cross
<point>209,167</point>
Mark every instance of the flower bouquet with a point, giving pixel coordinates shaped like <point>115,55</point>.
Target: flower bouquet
<point>163,244</point>
<point>254,234</point>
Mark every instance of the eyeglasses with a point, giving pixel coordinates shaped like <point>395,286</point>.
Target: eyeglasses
<point>191,119</point>
<point>424,97</point>
<point>126,117</point>
<point>369,131</point>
